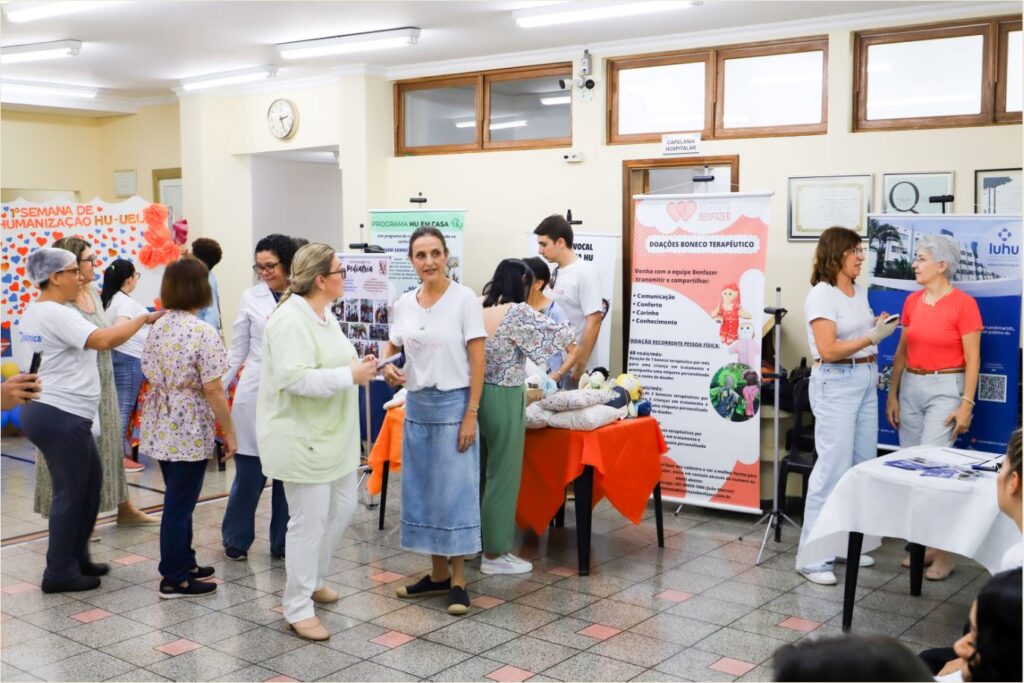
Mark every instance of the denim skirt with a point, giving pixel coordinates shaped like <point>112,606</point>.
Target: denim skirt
<point>440,485</point>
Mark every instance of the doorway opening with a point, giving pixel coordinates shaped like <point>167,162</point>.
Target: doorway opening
<point>297,193</point>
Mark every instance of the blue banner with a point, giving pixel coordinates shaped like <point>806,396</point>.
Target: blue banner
<point>990,271</point>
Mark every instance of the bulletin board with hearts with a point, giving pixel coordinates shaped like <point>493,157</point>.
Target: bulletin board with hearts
<point>114,229</point>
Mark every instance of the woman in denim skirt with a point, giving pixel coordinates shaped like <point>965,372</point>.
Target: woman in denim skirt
<point>843,335</point>
<point>439,327</point>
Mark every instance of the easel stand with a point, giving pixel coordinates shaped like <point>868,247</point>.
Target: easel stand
<point>774,518</point>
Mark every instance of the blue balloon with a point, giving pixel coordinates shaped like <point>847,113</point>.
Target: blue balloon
<point>5,418</point>
<point>14,417</point>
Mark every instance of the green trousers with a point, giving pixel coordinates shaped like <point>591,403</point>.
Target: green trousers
<point>502,420</point>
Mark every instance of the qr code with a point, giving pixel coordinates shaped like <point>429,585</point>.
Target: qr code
<point>992,388</point>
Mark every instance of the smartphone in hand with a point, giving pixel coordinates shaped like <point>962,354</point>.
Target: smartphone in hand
<point>37,360</point>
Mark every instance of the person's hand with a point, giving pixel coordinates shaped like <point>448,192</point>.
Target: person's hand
<point>155,315</point>
<point>363,369</point>
<point>960,419</point>
<point>467,432</point>
<point>881,330</point>
<point>20,389</point>
<point>393,376</point>
<point>230,445</point>
<point>892,409</point>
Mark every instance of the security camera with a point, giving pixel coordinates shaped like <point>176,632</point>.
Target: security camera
<point>577,81</point>
<point>589,83</point>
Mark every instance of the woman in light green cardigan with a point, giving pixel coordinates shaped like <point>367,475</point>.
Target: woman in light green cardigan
<point>307,427</point>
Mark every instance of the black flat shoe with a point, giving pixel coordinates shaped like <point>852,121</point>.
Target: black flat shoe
<point>95,569</point>
<point>79,583</point>
<point>173,589</point>
<point>425,587</point>
<point>458,601</point>
<point>201,572</point>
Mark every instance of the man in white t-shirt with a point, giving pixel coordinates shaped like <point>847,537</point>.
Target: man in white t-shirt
<point>576,288</point>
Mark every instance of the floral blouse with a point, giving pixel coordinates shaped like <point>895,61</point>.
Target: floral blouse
<point>182,354</point>
<point>522,333</point>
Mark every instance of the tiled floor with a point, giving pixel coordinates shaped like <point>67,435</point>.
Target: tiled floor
<point>696,610</point>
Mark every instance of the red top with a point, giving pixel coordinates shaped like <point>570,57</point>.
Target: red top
<point>934,333</point>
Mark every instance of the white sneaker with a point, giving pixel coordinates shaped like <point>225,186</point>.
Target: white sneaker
<point>506,563</point>
<point>820,574</point>
<point>865,561</point>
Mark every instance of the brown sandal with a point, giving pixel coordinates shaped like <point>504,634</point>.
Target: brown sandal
<point>310,629</point>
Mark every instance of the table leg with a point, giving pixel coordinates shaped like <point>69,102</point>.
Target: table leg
<point>383,493</point>
<point>559,521</point>
<point>916,567</point>
<point>852,567</point>
<point>584,486</point>
<point>659,520</point>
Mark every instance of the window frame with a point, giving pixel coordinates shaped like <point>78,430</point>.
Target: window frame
<point>993,43</point>
<point>481,80</point>
<point>714,85</point>
<point>1004,28</point>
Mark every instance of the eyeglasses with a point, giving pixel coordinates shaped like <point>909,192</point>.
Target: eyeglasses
<point>336,272</point>
<point>76,271</point>
<point>92,259</point>
<point>138,275</point>
<point>265,267</point>
<point>859,251</point>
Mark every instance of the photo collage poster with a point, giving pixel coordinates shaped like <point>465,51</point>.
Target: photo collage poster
<point>364,311</point>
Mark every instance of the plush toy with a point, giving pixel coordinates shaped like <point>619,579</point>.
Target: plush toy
<point>543,382</point>
<point>643,408</point>
<point>631,384</point>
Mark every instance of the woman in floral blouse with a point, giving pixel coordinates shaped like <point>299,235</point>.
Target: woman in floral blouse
<point>515,332</point>
<point>184,360</point>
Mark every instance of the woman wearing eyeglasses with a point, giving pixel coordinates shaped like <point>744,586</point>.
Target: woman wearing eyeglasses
<point>114,492</point>
<point>273,261</point>
<point>935,369</point>
<point>843,335</point>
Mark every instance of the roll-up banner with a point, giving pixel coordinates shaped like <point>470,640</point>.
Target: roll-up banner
<point>391,230</point>
<point>602,251</point>
<point>990,271</point>
<point>695,339</point>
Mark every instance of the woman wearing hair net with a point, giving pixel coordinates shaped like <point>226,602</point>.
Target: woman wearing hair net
<point>59,420</point>
<point>935,370</point>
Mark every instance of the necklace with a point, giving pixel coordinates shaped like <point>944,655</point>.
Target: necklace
<point>939,297</point>
<point>427,309</point>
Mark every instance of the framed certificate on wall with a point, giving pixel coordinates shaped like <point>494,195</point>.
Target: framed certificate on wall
<point>817,203</point>
<point>997,191</point>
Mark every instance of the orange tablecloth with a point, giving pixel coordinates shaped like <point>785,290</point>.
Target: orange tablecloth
<point>626,457</point>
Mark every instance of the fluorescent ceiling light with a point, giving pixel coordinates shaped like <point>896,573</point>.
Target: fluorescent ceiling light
<point>465,124</point>
<point>257,73</point>
<point>52,89</point>
<point>558,99</point>
<point>572,12</point>
<point>43,10</point>
<point>37,51</point>
<point>356,42</point>
<point>519,123</point>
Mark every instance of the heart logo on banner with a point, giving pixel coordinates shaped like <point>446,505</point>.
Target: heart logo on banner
<point>673,212</point>
<point>686,209</point>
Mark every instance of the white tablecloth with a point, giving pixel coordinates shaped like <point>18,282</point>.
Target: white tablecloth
<point>883,501</point>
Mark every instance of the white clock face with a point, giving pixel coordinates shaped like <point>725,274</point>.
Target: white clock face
<point>282,119</point>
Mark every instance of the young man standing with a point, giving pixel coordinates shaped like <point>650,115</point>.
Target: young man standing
<point>576,288</point>
<point>209,252</point>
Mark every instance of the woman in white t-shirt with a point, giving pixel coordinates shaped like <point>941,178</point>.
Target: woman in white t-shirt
<point>59,421</point>
<point>440,328</point>
<point>843,335</point>
<point>119,281</point>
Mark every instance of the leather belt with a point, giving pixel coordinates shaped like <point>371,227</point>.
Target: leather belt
<point>946,371</point>
<point>848,361</point>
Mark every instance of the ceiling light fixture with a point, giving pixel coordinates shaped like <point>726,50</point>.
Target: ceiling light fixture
<point>465,124</point>
<point>571,13</point>
<point>356,42</point>
<point>44,10</point>
<point>11,87</point>
<point>257,73</point>
<point>519,123</point>
<point>37,51</point>
<point>557,99</point>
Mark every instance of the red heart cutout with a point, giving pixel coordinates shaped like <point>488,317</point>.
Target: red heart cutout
<point>42,241</point>
<point>26,297</point>
<point>57,236</point>
<point>22,250</point>
<point>20,271</point>
<point>99,209</point>
<point>15,286</point>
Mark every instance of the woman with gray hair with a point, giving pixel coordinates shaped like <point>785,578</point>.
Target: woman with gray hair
<point>935,370</point>
<point>59,420</point>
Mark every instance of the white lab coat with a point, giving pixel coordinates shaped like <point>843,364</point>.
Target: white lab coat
<point>247,347</point>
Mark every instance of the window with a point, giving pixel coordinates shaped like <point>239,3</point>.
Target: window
<point>775,88</point>
<point>937,75</point>
<point>507,109</point>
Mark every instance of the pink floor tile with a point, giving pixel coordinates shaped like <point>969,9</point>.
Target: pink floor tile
<point>213,579</point>
<point>674,596</point>
<point>563,571</point>
<point>733,667</point>
<point>387,577</point>
<point>178,647</point>
<point>22,587</point>
<point>486,601</point>
<point>509,673</point>
<point>599,631</point>
<point>279,609</point>
<point>392,639</point>
<point>281,677</point>
<point>91,615</point>
<point>798,624</point>
<point>130,559</point>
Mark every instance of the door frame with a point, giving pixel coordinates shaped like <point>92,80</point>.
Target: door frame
<point>628,167</point>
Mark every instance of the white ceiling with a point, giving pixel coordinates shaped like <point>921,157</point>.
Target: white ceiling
<point>142,48</point>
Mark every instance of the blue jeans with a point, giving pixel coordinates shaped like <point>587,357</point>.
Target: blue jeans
<point>128,380</point>
<point>183,480</point>
<point>844,400</point>
<point>238,529</point>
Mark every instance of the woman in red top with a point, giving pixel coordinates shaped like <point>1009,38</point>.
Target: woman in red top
<point>940,352</point>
